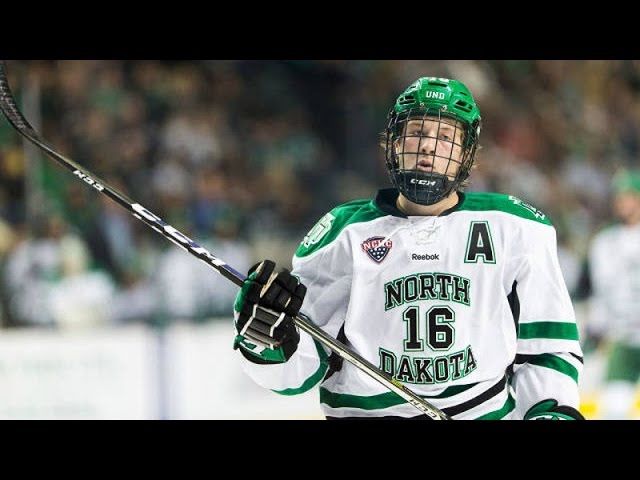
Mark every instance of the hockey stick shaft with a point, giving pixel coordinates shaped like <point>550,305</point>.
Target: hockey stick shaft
<point>17,120</point>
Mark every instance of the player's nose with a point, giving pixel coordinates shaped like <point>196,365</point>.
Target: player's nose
<point>428,145</point>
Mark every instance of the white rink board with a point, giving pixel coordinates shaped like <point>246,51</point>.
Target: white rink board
<point>130,373</point>
<point>96,374</point>
<point>208,381</point>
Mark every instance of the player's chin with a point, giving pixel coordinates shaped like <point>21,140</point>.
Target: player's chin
<point>424,170</point>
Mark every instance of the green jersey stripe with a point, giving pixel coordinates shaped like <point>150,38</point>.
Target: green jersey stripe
<point>556,363</point>
<point>313,380</point>
<point>486,201</point>
<point>502,412</point>
<point>558,330</point>
<point>376,402</point>
<point>338,400</point>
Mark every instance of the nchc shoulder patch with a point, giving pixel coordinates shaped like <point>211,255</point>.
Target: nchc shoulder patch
<point>327,229</point>
<point>483,201</point>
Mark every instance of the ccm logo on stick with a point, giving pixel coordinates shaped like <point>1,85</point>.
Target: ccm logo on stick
<point>179,238</point>
<point>89,180</point>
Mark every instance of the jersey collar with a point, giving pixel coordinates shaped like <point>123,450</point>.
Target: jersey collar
<point>386,201</point>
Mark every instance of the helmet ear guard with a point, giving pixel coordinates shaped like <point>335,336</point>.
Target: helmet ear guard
<point>438,99</point>
<point>471,144</point>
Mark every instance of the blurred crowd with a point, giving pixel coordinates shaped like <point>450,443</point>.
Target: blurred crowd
<point>244,156</point>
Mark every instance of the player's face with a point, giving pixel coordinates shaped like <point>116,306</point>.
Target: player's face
<point>431,145</point>
<point>626,206</point>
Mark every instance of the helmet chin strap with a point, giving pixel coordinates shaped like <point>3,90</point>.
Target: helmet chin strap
<point>420,187</point>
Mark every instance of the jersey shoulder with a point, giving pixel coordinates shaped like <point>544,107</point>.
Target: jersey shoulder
<point>489,201</point>
<point>327,229</point>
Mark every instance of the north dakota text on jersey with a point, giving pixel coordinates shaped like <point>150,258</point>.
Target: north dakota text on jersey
<point>426,286</point>
<point>428,370</point>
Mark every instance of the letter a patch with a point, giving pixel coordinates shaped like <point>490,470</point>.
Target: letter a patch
<point>377,250</point>
<point>480,244</point>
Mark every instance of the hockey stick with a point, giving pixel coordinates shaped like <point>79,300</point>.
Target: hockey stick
<point>17,120</point>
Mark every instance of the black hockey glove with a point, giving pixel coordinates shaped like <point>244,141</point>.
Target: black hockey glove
<point>550,410</point>
<point>264,310</point>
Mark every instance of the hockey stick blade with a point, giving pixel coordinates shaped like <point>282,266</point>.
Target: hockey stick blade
<point>20,123</point>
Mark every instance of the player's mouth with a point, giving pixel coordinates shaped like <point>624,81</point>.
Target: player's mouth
<point>425,165</point>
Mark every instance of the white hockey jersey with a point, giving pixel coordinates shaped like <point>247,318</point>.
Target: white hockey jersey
<point>468,309</point>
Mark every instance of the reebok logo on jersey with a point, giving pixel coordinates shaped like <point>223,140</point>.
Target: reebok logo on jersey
<point>376,249</point>
<point>425,256</point>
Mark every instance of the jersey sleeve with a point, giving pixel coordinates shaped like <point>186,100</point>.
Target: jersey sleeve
<point>548,359</point>
<point>325,268</point>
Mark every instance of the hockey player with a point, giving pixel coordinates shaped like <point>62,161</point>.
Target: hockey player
<point>457,295</point>
<point>614,267</point>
